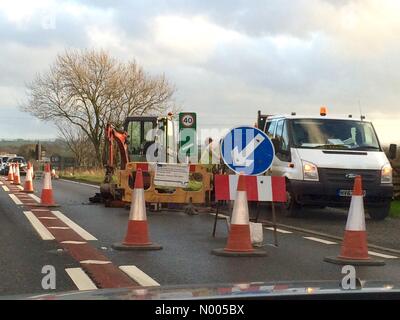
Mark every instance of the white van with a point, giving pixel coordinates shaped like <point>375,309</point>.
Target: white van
<point>321,155</point>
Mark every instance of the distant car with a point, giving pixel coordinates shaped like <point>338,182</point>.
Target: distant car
<point>22,165</point>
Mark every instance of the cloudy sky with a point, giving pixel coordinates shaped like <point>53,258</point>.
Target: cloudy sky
<point>227,58</point>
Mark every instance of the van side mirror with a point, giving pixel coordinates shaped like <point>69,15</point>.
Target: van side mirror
<point>392,154</point>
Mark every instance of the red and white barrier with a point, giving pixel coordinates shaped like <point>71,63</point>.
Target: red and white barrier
<point>258,188</point>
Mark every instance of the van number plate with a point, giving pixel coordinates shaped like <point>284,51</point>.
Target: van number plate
<point>347,193</point>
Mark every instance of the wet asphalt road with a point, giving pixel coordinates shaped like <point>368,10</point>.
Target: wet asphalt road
<point>186,241</point>
<point>332,221</point>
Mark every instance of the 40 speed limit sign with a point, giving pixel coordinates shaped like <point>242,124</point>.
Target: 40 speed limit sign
<point>187,120</point>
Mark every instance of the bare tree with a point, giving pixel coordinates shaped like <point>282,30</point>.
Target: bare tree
<point>78,143</point>
<point>87,89</point>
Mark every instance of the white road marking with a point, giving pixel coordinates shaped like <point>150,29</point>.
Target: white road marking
<point>73,242</point>
<point>320,240</point>
<point>85,184</point>
<point>381,255</point>
<point>61,228</point>
<point>1,183</point>
<point>34,197</point>
<point>40,210</point>
<point>38,226</point>
<point>220,215</point>
<point>94,262</point>
<point>139,276</point>
<point>79,230</point>
<point>81,279</point>
<point>278,230</point>
<point>15,199</point>
<point>20,187</point>
<point>48,218</point>
<point>5,188</point>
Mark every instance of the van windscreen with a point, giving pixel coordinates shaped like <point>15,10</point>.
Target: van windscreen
<point>334,134</point>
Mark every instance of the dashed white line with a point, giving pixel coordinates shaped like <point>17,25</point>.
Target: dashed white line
<point>82,183</point>
<point>81,279</point>
<point>1,183</point>
<point>48,218</point>
<point>94,262</point>
<point>139,276</point>
<point>278,230</point>
<point>73,242</point>
<point>20,187</point>
<point>79,230</point>
<point>320,240</point>
<point>15,199</point>
<point>38,226</point>
<point>381,255</point>
<point>5,188</point>
<point>34,197</point>
<point>60,228</point>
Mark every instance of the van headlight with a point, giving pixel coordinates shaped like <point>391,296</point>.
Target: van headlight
<point>310,171</point>
<point>387,174</point>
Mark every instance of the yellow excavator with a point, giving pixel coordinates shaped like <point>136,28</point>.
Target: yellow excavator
<point>138,135</point>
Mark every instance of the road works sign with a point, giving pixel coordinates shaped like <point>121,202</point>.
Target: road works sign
<point>247,150</point>
<point>171,175</point>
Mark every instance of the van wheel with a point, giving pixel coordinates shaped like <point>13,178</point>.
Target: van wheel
<point>291,208</point>
<point>381,212</point>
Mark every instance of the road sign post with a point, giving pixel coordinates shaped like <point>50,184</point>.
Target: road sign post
<point>248,150</point>
<point>187,137</point>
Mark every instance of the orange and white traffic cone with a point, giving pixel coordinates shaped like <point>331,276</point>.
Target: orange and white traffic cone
<point>239,240</point>
<point>47,199</point>
<point>10,173</point>
<point>137,235</point>
<point>354,249</point>
<point>28,185</point>
<point>17,177</point>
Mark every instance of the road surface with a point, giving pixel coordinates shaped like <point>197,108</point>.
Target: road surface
<point>81,234</point>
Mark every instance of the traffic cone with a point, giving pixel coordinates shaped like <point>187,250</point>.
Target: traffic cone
<point>47,199</point>
<point>239,240</point>
<point>17,177</point>
<point>10,172</point>
<point>354,248</point>
<point>137,236</point>
<point>28,185</point>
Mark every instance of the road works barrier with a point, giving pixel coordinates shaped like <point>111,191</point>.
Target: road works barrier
<point>28,185</point>
<point>137,235</point>
<point>259,189</point>
<point>239,240</point>
<point>17,176</point>
<point>199,185</point>
<point>354,248</point>
<point>47,199</point>
<point>10,173</point>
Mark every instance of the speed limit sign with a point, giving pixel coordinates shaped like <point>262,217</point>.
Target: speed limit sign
<point>187,120</point>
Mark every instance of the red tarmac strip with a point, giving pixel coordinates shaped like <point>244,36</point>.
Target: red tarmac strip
<point>103,275</point>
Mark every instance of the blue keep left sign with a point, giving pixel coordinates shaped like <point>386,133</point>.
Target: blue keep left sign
<point>247,150</point>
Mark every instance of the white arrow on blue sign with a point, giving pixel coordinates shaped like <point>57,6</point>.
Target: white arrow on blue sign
<point>247,150</point>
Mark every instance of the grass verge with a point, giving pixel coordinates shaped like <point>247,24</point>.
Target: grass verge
<point>395,209</point>
<point>95,176</point>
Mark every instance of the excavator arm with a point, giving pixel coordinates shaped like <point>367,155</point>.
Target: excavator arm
<point>120,138</point>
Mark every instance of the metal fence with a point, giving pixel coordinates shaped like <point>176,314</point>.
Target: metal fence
<point>396,181</point>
